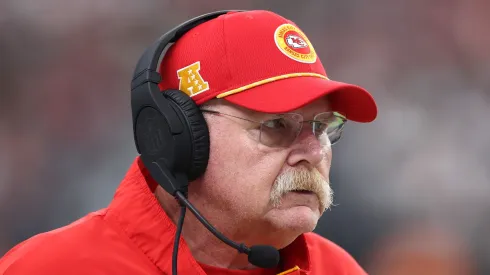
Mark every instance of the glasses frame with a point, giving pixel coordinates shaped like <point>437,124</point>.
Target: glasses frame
<point>262,122</point>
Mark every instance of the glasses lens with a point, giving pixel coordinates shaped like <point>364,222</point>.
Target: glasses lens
<point>280,131</point>
<point>329,124</point>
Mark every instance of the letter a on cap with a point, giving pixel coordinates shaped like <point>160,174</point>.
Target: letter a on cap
<point>190,80</point>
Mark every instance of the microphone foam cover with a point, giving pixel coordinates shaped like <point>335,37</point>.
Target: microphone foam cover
<point>264,256</point>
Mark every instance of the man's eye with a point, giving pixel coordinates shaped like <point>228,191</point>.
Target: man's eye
<point>320,127</point>
<point>278,123</point>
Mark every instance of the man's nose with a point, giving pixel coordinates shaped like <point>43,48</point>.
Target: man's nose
<point>308,148</point>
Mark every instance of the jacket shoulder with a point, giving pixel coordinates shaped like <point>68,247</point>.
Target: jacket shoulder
<point>61,251</point>
<point>327,255</point>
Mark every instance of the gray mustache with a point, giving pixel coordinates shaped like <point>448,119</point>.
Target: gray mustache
<point>302,179</point>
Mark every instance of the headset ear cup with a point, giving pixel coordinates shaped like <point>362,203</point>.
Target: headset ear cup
<point>198,129</point>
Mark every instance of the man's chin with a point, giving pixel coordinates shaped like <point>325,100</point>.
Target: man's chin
<point>300,219</point>
<point>291,200</point>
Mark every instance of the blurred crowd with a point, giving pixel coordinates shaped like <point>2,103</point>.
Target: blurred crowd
<point>412,189</point>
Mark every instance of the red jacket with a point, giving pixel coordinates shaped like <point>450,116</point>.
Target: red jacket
<point>134,236</point>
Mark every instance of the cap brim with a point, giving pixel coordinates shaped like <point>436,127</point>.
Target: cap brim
<point>289,94</point>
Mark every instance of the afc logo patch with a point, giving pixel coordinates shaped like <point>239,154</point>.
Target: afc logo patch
<point>191,81</point>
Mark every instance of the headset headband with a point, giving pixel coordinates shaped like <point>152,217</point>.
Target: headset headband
<point>146,68</point>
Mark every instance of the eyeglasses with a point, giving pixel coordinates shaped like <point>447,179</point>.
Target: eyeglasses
<point>283,129</point>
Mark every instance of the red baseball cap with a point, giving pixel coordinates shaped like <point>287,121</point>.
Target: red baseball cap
<point>261,61</point>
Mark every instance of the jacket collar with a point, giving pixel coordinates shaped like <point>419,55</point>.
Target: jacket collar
<point>136,211</point>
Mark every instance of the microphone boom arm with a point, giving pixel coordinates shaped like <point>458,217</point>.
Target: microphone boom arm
<point>240,247</point>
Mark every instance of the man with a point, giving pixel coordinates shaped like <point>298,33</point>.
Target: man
<point>272,115</point>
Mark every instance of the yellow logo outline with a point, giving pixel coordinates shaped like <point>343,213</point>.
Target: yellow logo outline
<point>288,50</point>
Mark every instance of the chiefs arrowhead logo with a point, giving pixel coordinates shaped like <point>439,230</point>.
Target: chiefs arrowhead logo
<point>294,44</point>
<point>295,41</point>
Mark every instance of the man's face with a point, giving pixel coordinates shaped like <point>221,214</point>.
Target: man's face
<point>254,183</point>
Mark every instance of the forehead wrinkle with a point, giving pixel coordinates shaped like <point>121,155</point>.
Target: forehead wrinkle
<point>308,111</point>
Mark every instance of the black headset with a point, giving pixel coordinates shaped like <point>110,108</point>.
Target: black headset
<point>172,136</point>
<point>169,129</point>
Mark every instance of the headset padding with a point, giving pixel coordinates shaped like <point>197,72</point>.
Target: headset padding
<point>198,131</point>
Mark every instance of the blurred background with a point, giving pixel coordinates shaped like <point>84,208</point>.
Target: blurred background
<point>412,189</point>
